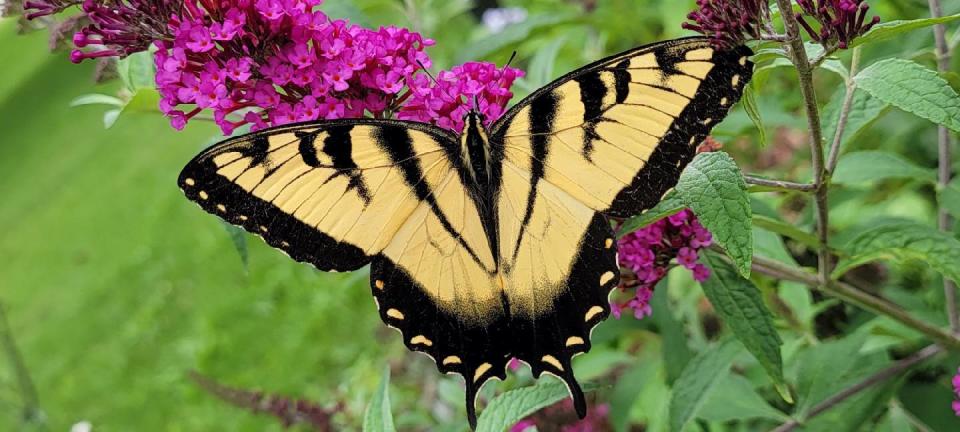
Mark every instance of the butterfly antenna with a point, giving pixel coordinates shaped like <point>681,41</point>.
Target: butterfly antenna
<point>512,56</point>
<point>427,71</point>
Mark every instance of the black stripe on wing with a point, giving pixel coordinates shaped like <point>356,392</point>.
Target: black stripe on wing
<point>218,195</point>
<point>719,91</point>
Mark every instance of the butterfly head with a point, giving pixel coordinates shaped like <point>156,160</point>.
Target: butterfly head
<point>473,119</point>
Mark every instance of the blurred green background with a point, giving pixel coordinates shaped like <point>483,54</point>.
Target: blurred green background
<point>115,286</point>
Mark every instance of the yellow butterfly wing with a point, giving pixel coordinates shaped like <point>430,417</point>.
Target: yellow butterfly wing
<point>609,139</point>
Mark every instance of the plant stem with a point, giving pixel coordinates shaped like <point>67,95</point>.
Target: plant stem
<point>28,392</point>
<point>844,115</point>
<point>805,72</point>
<point>877,378</point>
<point>780,184</point>
<point>944,172</point>
<point>850,294</point>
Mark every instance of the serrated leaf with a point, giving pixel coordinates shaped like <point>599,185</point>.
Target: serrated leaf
<point>713,187</point>
<point>735,399</point>
<point>698,379</point>
<point>864,109</point>
<point>949,197</point>
<point>379,417</point>
<point>239,239</point>
<point>749,101</point>
<point>96,99</point>
<point>904,241</point>
<point>740,305</point>
<point>670,205</point>
<point>874,165</point>
<point>913,88</point>
<point>137,71</point>
<point>507,409</point>
<point>892,29</point>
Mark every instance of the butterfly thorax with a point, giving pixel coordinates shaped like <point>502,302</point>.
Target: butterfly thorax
<point>475,151</point>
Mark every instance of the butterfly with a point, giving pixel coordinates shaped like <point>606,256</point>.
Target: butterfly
<point>493,243</point>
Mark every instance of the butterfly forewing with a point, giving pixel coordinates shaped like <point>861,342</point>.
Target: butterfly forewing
<point>615,135</point>
<point>332,194</point>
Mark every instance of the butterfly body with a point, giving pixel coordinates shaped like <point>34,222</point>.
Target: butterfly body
<point>492,243</point>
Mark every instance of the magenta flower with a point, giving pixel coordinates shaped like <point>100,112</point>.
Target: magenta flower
<point>445,102</point>
<point>956,391</point>
<point>266,57</point>
<point>839,20</point>
<point>647,253</point>
<point>729,22</point>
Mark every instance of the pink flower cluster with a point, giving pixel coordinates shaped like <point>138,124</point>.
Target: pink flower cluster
<point>278,62</point>
<point>446,101</point>
<point>840,20</point>
<point>728,22</point>
<point>271,62</point>
<point>956,391</point>
<point>648,251</point>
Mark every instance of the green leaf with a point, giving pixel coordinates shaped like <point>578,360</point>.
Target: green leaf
<point>904,241</point>
<point>740,305</point>
<point>110,118</point>
<point>676,352</point>
<point>96,99</point>
<point>541,71</point>
<point>713,187</point>
<point>864,110</point>
<point>892,29</point>
<point>735,399</point>
<point>786,230</point>
<point>749,101</point>
<point>871,166</point>
<point>513,34</point>
<point>137,71</point>
<point>144,100</point>
<point>670,205</point>
<point>378,416</point>
<point>698,379</point>
<point>507,409</point>
<point>821,368</point>
<point>628,389</point>
<point>949,197</point>
<point>239,239</point>
<point>770,245</point>
<point>913,88</point>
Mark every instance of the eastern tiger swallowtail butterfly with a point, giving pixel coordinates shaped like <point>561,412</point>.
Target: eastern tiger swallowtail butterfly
<point>493,243</point>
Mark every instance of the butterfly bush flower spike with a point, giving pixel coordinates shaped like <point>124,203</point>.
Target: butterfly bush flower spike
<point>647,253</point>
<point>729,23</point>
<point>445,102</point>
<point>254,62</point>
<point>839,20</point>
